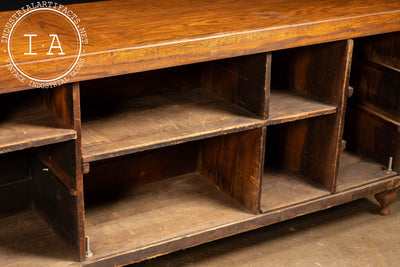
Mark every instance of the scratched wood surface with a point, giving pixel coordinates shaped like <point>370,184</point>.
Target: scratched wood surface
<point>357,170</point>
<point>26,240</point>
<point>286,106</point>
<point>161,120</point>
<point>157,213</point>
<point>148,35</point>
<point>25,123</point>
<point>282,188</point>
<point>373,135</point>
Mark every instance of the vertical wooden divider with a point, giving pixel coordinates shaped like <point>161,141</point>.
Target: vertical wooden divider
<point>57,175</point>
<point>234,163</point>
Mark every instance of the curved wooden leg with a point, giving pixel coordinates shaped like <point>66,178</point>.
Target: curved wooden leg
<point>385,199</point>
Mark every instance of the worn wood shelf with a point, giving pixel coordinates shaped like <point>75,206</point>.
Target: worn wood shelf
<point>31,125</point>
<point>356,170</point>
<point>27,233</point>
<point>152,215</point>
<point>286,106</point>
<point>156,121</point>
<point>282,189</point>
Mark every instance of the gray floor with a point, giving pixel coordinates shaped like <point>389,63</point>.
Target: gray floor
<point>349,235</point>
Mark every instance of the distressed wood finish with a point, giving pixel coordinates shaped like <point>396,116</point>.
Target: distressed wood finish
<point>26,233</point>
<point>58,193</point>
<point>24,123</point>
<point>161,39</point>
<point>287,106</point>
<point>54,201</point>
<point>373,135</point>
<point>161,120</point>
<point>234,163</point>
<point>243,81</point>
<point>182,106</point>
<point>202,222</point>
<point>383,49</point>
<point>377,87</point>
<point>358,170</point>
<point>320,71</point>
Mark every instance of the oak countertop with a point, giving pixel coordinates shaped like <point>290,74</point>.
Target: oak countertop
<point>133,36</point>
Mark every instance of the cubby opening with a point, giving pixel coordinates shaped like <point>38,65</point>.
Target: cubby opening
<point>33,197</point>
<point>307,81</point>
<point>299,161</point>
<point>372,128</point>
<point>153,197</point>
<point>153,109</point>
<point>26,122</point>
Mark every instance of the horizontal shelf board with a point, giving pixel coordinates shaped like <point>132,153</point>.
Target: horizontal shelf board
<point>156,213</point>
<point>182,212</point>
<point>26,240</point>
<point>286,106</point>
<point>355,170</point>
<point>31,125</point>
<point>380,114</point>
<point>283,189</point>
<point>162,120</point>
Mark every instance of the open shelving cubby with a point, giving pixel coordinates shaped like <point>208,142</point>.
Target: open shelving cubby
<point>372,131</point>
<point>303,128</point>
<point>39,178</point>
<point>182,144</point>
<point>25,122</point>
<point>163,107</point>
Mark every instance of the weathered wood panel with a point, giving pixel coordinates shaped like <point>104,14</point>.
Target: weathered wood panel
<point>24,123</point>
<point>287,106</point>
<point>234,164</point>
<point>373,135</point>
<point>243,81</point>
<point>158,121</point>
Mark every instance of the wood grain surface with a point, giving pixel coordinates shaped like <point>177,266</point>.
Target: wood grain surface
<point>25,123</point>
<point>133,36</point>
<point>161,120</point>
<point>286,106</point>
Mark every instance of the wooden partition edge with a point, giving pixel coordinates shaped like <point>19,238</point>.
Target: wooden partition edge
<point>345,71</point>
<point>64,102</point>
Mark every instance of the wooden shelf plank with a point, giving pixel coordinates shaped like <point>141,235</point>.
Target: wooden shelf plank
<point>283,189</point>
<point>157,213</point>
<point>286,106</point>
<point>162,120</point>
<point>355,171</point>
<point>31,125</point>
<point>25,240</point>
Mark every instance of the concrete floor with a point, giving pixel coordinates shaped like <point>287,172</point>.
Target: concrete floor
<point>349,235</point>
